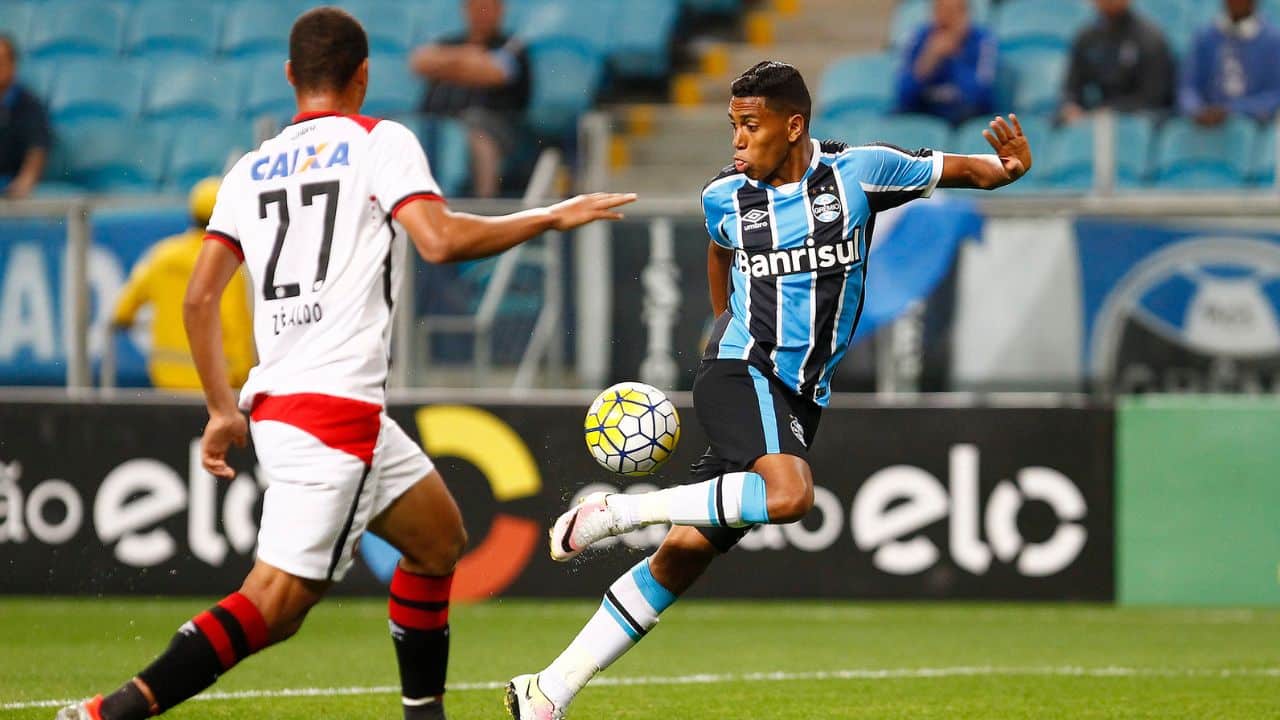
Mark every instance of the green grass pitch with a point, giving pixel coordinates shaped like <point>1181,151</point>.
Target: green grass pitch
<point>705,660</point>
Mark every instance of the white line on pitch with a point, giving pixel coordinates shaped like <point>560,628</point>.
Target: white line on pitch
<point>715,678</point>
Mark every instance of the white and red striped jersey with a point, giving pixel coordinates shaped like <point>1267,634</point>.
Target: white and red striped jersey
<point>312,214</point>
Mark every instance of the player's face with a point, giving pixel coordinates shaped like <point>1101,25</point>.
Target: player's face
<point>762,137</point>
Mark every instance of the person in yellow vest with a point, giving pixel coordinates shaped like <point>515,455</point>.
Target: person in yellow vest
<point>160,279</point>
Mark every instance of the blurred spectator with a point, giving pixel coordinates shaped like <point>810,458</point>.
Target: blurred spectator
<point>1234,67</point>
<point>1120,62</point>
<point>160,279</point>
<point>481,78</point>
<point>949,69</point>
<point>24,128</point>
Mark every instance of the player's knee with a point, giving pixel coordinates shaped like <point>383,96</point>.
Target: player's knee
<point>789,502</point>
<point>439,554</point>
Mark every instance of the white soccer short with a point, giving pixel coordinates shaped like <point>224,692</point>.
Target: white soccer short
<point>320,499</point>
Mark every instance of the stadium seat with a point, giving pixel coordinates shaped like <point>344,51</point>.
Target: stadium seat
<point>390,25</point>
<point>266,91</point>
<point>201,150</point>
<point>1067,158</point>
<point>89,88</point>
<point>70,28</point>
<point>1263,172</point>
<point>15,19</point>
<point>857,84</point>
<point>38,76</point>
<point>165,27</point>
<point>1031,80</point>
<point>587,22</point>
<point>641,45</point>
<point>194,90</point>
<point>393,88</point>
<point>116,156</point>
<point>436,20</point>
<point>515,13</point>
<point>566,77</point>
<point>258,28</point>
<point>1021,24</point>
<point>448,151</point>
<point>1174,18</point>
<point>1191,157</point>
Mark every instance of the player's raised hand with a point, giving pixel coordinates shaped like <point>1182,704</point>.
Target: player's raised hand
<point>220,434</point>
<point>580,210</point>
<point>1010,145</point>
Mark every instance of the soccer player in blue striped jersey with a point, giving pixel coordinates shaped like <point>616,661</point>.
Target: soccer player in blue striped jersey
<point>791,222</point>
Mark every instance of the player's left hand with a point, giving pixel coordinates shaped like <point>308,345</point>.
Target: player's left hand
<point>1010,145</point>
<point>220,434</point>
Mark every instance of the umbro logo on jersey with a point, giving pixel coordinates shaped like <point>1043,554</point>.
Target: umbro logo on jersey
<point>313,157</point>
<point>755,219</point>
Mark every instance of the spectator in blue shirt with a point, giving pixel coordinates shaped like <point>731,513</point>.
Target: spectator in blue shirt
<point>1233,68</point>
<point>950,67</point>
<point>24,129</point>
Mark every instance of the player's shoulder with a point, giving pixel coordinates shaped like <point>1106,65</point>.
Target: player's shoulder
<point>724,182</point>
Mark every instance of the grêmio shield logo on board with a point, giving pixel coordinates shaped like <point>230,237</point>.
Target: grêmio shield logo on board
<point>1202,315</point>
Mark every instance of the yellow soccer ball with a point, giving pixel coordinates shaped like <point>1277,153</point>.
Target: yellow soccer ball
<point>632,428</point>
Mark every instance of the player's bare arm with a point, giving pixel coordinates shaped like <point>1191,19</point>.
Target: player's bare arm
<point>1012,159</point>
<point>201,314</point>
<point>718,261</point>
<point>442,235</point>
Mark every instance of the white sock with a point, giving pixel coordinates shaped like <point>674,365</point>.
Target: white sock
<point>629,610</point>
<point>732,500</point>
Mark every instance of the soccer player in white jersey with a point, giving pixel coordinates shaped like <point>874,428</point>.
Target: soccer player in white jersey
<point>320,215</point>
<point>790,223</point>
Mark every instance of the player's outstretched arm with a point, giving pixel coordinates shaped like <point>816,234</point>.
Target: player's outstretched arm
<point>202,317</point>
<point>442,235</point>
<point>988,172</point>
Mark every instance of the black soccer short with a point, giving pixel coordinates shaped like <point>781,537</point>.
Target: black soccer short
<point>746,413</point>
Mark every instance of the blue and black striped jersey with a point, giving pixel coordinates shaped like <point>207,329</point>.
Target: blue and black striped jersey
<point>799,268</point>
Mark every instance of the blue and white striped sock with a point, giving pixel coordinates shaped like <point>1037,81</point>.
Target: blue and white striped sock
<point>730,500</point>
<point>630,609</point>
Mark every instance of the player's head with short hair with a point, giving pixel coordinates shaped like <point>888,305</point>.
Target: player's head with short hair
<point>8,61</point>
<point>327,47</point>
<point>781,86</point>
<point>770,111</point>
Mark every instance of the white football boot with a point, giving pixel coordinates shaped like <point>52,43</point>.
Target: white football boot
<point>525,700</point>
<point>579,527</point>
<point>86,710</point>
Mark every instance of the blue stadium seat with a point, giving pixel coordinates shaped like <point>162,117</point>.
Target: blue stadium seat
<point>566,77</point>
<point>910,132</point>
<point>911,15</point>
<point>1066,160</point>
<point>641,45</point>
<point>38,76</point>
<point>1031,80</point>
<point>90,88</point>
<point>15,19</point>
<point>1263,172</point>
<point>515,14</point>
<point>588,22</point>
<point>201,150</point>
<point>65,29</point>
<point>389,24</point>
<point>1191,157</point>
<point>258,28</point>
<point>165,27</point>
<point>194,90</point>
<point>1037,24</point>
<point>857,84</point>
<point>1173,17</point>
<point>1271,11</point>
<point>393,88</point>
<point>266,90</point>
<point>437,19</point>
<point>116,156</point>
<point>444,140</point>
